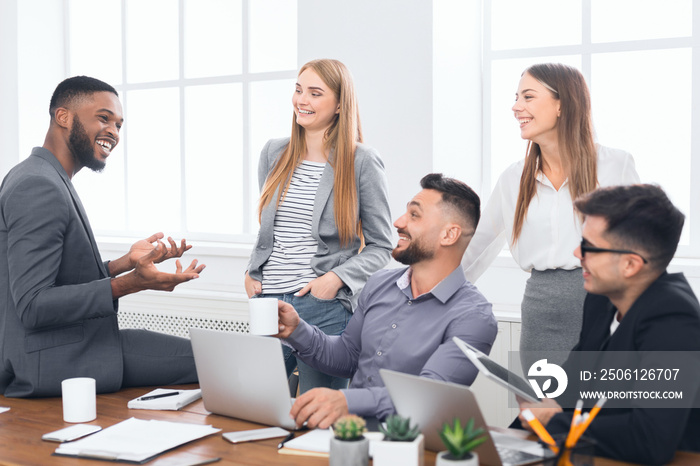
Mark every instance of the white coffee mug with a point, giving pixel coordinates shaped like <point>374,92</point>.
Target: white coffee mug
<point>79,399</point>
<point>263,316</point>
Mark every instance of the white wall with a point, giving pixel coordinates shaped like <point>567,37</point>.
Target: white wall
<point>9,107</point>
<point>387,45</point>
<point>32,64</point>
<point>41,66</point>
<point>457,133</point>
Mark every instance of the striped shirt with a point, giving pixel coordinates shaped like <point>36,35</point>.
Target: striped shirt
<point>289,267</point>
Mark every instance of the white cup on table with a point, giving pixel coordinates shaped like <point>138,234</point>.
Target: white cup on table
<point>79,399</point>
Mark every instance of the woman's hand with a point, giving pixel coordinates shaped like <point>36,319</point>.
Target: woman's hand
<point>324,287</point>
<point>252,286</point>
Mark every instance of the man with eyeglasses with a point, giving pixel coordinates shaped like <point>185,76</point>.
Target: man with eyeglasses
<point>630,234</point>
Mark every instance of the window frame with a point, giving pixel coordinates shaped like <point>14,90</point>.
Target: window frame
<point>586,49</point>
<point>249,154</point>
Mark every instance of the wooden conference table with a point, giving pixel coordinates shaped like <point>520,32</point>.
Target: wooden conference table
<point>23,425</point>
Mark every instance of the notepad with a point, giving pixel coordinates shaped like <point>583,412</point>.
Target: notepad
<point>315,443</point>
<point>3,409</point>
<point>318,443</point>
<point>172,403</point>
<point>135,440</point>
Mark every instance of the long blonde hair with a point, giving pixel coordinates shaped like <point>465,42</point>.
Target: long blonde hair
<point>575,134</point>
<point>340,140</point>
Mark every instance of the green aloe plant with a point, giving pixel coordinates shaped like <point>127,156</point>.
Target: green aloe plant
<point>399,429</point>
<point>349,427</point>
<point>461,441</point>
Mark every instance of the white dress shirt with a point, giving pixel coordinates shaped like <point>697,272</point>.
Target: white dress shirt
<point>551,230</point>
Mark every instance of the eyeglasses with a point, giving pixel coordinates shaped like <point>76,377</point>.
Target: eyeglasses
<point>586,248</point>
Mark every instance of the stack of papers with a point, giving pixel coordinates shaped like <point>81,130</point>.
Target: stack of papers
<point>175,402</point>
<point>135,440</point>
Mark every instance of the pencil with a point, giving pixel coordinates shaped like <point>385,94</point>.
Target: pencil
<point>575,421</point>
<point>538,428</point>
<point>584,425</point>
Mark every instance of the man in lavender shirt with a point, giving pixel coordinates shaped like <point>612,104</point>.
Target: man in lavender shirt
<point>406,317</point>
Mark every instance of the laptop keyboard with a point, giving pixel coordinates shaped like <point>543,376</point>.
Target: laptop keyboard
<point>510,456</point>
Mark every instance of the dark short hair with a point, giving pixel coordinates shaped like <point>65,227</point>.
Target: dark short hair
<point>456,194</point>
<point>640,217</point>
<point>71,89</point>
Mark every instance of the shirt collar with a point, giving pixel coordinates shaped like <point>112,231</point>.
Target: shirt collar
<point>540,176</point>
<point>443,291</point>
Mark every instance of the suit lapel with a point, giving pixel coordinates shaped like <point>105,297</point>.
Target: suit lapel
<point>88,229</point>
<point>49,157</point>
<point>604,327</point>
<point>323,193</point>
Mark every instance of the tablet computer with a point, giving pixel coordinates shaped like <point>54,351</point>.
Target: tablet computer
<point>494,371</point>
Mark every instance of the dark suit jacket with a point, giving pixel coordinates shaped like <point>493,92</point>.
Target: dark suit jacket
<point>666,317</point>
<point>57,316</point>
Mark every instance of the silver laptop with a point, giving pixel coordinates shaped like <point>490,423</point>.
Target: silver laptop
<point>430,403</point>
<point>242,376</point>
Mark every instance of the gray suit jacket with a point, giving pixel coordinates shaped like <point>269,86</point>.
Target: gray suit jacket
<point>352,268</point>
<point>57,315</point>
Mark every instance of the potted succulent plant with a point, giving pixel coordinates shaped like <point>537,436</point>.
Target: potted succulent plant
<point>349,447</point>
<point>459,443</point>
<point>403,444</point>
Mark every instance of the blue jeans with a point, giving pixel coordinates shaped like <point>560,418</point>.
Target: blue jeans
<point>331,317</point>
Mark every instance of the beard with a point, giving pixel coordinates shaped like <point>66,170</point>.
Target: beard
<point>414,253</point>
<point>82,148</point>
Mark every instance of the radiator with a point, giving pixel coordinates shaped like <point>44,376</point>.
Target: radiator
<point>178,325</point>
<point>174,314</point>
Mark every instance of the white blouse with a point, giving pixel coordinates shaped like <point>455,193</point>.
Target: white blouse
<point>551,230</point>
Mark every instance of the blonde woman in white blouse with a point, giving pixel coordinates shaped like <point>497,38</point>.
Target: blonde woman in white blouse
<point>531,206</point>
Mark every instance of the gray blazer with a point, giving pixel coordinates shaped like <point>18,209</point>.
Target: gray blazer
<point>57,315</point>
<point>352,268</point>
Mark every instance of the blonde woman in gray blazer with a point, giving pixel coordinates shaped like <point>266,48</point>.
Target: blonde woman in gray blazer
<point>325,224</point>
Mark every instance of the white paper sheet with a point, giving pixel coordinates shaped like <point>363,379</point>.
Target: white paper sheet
<point>135,440</point>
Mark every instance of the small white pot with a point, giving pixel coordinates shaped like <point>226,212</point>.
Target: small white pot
<point>387,453</point>
<point>440,460</point>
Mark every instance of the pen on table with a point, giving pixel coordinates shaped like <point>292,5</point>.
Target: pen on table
<point>575,421</point>
<point>162,395</point>
<point>539,429</point>
<point>285,440</point>
<point>584,425</point>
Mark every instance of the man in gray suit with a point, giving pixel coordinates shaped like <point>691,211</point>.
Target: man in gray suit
<point>59,300</point>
